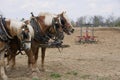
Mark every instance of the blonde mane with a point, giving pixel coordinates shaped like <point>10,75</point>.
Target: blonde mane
<point>46,13</point>
<point>15,26</point>
<point>48,17</point>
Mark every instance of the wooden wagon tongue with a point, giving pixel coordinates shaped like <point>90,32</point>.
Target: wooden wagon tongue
<point>52,44</point>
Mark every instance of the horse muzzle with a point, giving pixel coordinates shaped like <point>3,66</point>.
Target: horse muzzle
<point>26,45</point>
<point>72,30</point>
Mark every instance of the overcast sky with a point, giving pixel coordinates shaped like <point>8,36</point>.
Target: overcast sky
<point>18,9</point>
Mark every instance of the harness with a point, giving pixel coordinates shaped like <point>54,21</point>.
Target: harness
<point>37,30</point>
<point>4,33</point>
<point>63,24</point>
<point>38,36</point>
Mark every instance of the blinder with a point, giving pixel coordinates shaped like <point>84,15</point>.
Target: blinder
<point>56,24</point>
<point>63,21</point>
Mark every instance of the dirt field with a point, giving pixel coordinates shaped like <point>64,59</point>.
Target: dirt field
<point>100,61</point>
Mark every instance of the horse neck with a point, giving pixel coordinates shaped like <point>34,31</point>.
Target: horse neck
<point>44,28</point>
<point>45,23</point>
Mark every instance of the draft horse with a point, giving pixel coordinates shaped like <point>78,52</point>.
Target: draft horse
<point>46,19</point>
<point>47,26</point>
<point>8,30</point>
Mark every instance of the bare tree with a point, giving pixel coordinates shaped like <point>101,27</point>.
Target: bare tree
<point>81,21</point>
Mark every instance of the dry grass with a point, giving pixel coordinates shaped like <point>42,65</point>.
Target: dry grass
<point>99,61</point>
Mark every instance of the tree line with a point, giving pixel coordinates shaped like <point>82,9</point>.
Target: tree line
<point>97,21</point>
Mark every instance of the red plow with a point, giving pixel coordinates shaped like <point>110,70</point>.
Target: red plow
<point>86,38</point>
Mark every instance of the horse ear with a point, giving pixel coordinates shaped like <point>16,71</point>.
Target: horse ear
<point>37,17</point>
<point>26,22</point>
<point>64,11</point>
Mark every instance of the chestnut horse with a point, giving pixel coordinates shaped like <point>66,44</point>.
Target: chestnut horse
<point>51,28</point>
<point>47,26</point>
<point>66,26</point>
<point>8,30</point>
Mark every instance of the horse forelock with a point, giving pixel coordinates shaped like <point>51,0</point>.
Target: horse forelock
<point>16,26</point>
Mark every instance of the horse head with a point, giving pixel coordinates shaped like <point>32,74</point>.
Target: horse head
<point>21,30</point>
<point>25,37</point>
<point>65,23</point>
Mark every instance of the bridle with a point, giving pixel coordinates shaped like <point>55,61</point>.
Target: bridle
<point>66,26</point>
<point>25,35</point>
<point>3,26</point>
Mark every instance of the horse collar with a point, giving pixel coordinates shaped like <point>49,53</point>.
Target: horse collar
<point>4,34</point>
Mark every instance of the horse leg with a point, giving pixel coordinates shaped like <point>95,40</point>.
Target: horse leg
<point>43,49</point>
<point>11,59</point>
<point>32,64</point>
<point>35,51</point>
<point>36,54</point>
<point>31,59</point>
<point>2,66</point>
